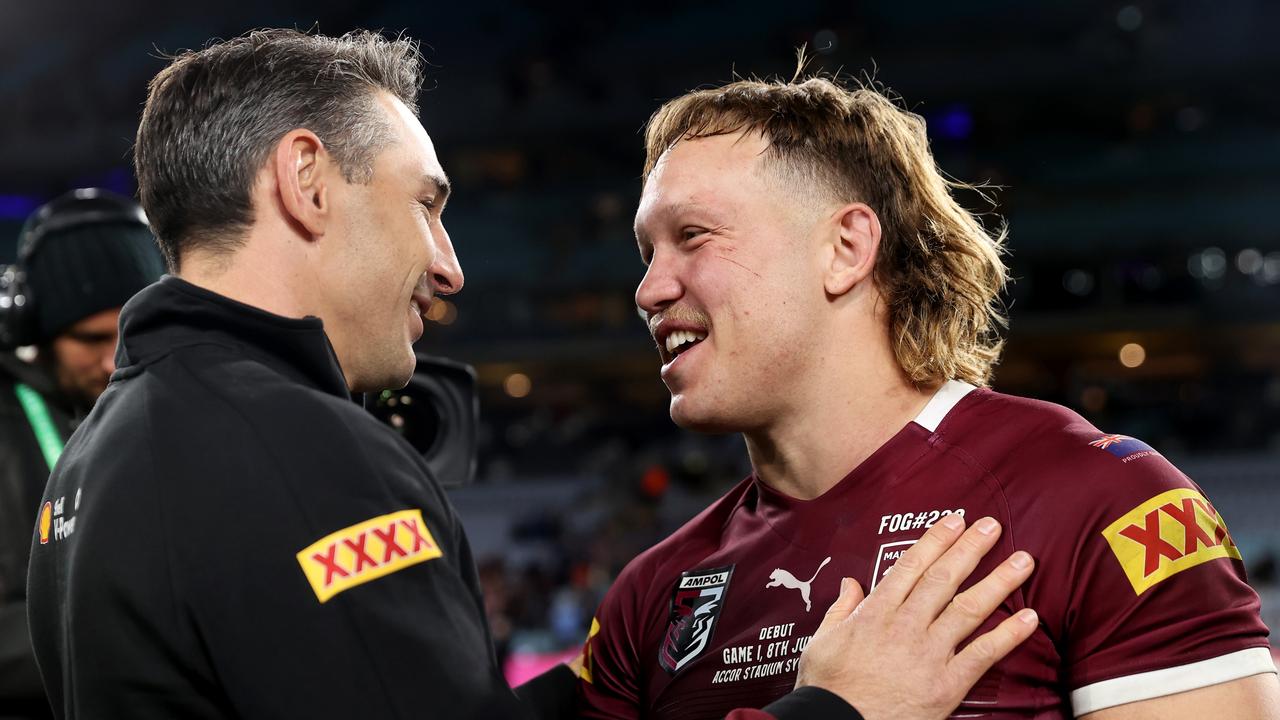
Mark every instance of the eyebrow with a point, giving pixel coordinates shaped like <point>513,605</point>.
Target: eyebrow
<point>675,208</point>
<point>440,184</point>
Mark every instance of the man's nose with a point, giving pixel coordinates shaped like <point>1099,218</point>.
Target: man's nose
<point>446,271</point>
<point>660,286</point>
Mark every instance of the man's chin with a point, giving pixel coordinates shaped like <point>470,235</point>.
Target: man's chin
<point>390,378</point>
<point>700,420</point>
<point>377,386</point>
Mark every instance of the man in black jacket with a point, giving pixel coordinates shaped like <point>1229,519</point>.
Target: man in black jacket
<point>228,535</point>
<point>81,257</point>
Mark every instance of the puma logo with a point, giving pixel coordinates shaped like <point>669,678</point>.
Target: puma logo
<point>787,580</point>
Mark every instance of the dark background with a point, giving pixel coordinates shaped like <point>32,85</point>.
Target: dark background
<point>1135,146</point>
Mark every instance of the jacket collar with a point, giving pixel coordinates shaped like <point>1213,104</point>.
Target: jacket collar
<point>173,313</point>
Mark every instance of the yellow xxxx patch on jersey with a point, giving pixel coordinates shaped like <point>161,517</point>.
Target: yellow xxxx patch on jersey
<point>582,665</point>
<point>1173,531</point>
<point>367,551</point>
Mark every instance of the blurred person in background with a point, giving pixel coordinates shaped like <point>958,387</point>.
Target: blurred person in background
<point>812,284</point>
<point>234,537</point>
<point>80,257</point>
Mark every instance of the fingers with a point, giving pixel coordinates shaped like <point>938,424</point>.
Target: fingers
<point>939,582</point>
<point>991,647</point>
<point>967,611</point>
<point>897,585</point>
<point>848,600</point>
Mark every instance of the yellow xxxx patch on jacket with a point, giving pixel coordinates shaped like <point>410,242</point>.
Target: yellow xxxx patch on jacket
<point>367,551</point>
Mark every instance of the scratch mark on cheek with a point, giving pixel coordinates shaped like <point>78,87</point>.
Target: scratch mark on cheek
<point>735,262</point>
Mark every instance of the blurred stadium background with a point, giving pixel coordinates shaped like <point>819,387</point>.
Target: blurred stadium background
<point>1137,146</point>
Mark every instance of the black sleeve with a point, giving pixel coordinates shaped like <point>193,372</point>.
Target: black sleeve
<point>19,678</point>
<point>333,583</point>
<point>551,695</point>
<point>811,703</point>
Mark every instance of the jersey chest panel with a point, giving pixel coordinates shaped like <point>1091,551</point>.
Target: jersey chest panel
<point>785,570</point>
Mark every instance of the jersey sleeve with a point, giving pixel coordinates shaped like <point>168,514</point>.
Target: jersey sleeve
<point>1158,602</point>
<point>609,679</point>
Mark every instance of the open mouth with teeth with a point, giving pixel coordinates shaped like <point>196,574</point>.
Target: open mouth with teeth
<point>679,341</point>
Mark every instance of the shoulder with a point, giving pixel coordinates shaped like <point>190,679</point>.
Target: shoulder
<point>211,396</point>
<point>211,434</point>
<point>1032,446</point>
<point>1077,496</point>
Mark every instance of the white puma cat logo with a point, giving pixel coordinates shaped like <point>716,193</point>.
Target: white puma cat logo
<point>787,580</point>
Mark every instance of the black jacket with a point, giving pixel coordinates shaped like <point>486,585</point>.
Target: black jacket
<point>229,536</point>
<point>198,521</point>
<point>23,474</point>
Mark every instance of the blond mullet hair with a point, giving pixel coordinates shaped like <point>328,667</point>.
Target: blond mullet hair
<point>939,270</point>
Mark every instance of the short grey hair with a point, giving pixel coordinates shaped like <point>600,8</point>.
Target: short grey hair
<point>214,115</point>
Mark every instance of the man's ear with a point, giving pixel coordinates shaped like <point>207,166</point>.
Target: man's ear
<point>854,247</point>
<point>303,169</point>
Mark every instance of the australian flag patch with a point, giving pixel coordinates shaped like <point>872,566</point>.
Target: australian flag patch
<point>1124,447</point>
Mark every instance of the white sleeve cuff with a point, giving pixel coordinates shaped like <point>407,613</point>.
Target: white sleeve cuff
<point>1158,683</point>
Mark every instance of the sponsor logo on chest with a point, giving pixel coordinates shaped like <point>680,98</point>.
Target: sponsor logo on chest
<point>696,602</point>
<point>56,522</point>
<point>783,578</point>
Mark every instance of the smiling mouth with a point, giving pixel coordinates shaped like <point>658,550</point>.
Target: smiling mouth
<point>678,343</point>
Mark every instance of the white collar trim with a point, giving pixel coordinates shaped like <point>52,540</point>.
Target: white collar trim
<point>951,392</point>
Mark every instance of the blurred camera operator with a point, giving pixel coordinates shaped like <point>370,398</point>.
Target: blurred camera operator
<point>80,257</point>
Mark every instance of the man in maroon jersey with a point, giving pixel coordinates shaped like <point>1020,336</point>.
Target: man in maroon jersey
<point>813,285</point>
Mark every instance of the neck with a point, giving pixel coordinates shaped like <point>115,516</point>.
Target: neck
<point>831,433</point>
<point>258,273</point>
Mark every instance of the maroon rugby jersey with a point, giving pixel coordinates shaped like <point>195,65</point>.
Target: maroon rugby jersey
<point>1139,586</point>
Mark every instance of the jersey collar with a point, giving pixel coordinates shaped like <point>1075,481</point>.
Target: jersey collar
<point>810,523</point>
<point>951,392</point>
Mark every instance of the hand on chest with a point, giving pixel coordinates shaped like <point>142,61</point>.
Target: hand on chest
<point>748,610</point>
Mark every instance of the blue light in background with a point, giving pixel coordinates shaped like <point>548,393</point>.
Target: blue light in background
<point>17,207</point>
<point>117,179</point>
<point>955,122</point>
<point>120,180</point>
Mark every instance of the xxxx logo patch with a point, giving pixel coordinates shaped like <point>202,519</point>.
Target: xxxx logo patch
<point>367,551</point>
<point>583,665</point>
<point>1173,531</point>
